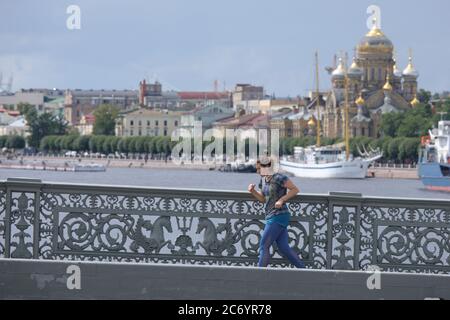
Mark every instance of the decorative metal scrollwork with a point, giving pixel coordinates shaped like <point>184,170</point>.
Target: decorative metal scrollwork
<point>126,225</point>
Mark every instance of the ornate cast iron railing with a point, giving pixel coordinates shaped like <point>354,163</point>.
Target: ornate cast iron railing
<point>339,231</point>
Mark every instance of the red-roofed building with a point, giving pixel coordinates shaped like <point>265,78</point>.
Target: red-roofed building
<point>152,95</point>
<point>86,125</point>
<point>8,116</point>
<point>203,95</point>
<point>243,122</point>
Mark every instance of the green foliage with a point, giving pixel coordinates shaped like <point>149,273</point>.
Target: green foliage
<point>3,141</point>
<point>443,106</point>
<point>393,148</point>
<point>43,125</point>
<point>81,143</point>
<point>413,123</point>
<point>390,123</point>
<point>424,96</point>
<point>105,120</point>
<point>12,142</point>
<point>409,149</point>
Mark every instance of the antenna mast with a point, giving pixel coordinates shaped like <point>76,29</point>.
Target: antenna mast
<point>318,100</point>
<point>346,133</point>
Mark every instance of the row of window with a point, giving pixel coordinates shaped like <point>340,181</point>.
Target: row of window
<point>149,133</point>
<point>156,123</point>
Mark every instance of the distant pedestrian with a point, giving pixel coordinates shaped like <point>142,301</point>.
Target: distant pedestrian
<point>276,190</point>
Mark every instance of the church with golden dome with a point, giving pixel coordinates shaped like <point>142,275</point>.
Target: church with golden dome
<point>375,86</point>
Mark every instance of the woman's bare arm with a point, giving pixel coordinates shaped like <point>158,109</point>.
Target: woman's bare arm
<point>258,195</point>
<point>292,192</point>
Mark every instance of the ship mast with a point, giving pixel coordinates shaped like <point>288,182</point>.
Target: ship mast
<point>318,101</point>
<point>346,133</point>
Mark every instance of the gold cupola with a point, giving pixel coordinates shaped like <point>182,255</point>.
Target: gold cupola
<point>415,102</point>
<point>375,40</point>
<point>360,101</point>
<point>312,122</point>
<point>397,72</point>
<point>410,71</point>
<point>387,86</point>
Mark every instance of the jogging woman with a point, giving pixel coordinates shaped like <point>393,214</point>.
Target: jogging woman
<point>277,189</point>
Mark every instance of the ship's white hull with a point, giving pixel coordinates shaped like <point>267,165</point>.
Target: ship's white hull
<point>355,169</point>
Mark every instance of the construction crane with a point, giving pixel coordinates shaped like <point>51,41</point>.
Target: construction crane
<point>6,87</point>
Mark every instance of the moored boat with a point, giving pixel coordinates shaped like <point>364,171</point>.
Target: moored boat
<point>434,160</point>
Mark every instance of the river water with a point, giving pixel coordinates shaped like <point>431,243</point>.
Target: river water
<point>215,180</point>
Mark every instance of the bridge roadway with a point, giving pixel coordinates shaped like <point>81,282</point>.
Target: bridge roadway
<point>41,279</point>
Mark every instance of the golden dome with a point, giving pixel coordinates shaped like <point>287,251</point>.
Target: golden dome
<point>312,122</point>
<point>354,64</point>
<point>354,69</point>
<point>339,71</point>
<point>387,86</point>
<point>415,102</point>
<point>360,101</point>
<point>375,39</point>
<point>397,72</point>
<point>410,70</point>
<point>375,32</point>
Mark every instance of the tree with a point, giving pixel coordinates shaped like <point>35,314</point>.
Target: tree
<point>15,142</point>
<point>93,144</point>
<point>122,145</point>
<point>105,120</point>
<point>424,96</point>
<point>81,143</point>
<point>393,148</point>
<point>26,109</point>
<point>3,141</point>
<point>390,123</point>
<point>414,126</point>
<point>140,144</point>
<point>113,144</point>
<point>109,145</point>
<point>131,144</point>
<point>44,125</point>
<point>408,149</point>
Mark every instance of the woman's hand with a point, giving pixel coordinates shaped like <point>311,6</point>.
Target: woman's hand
<point>258,195</point>
<point>279,204</point>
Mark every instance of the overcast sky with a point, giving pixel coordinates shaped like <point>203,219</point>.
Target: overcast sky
<point>187,44</point>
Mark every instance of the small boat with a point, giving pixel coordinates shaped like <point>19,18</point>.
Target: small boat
<point>434,159</point>
<point>91,167</point>
<point>241,167</point>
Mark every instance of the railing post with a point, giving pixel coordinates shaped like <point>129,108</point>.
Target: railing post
<point>343,231</point>
<point>8,222</point>
<point>24,217</point>
<point>329,233</point>
<point>37,224</point>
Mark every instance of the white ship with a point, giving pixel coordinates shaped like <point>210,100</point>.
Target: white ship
<point>330,161</point>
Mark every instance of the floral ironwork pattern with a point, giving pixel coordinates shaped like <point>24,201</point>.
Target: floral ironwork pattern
<point>21,222</point>
<point>2,222</point>
<point>344,232</point>
<point>156,228</point>
<point>406,239</point>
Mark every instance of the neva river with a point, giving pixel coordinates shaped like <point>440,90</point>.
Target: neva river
<point>199,179</point>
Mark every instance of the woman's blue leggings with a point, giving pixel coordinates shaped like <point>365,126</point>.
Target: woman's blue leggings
<point>276,232</point>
